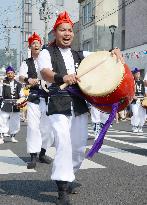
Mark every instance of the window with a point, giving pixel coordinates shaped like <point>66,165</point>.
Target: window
<point>60,2</point>
<point>87,14</point>
<point>123,13</point>
<point>28,1</point>
<point>28,18</point>
<point>27,7</point>
<point>27,34</point>
<point>87,46</point>
<point>123,40</point>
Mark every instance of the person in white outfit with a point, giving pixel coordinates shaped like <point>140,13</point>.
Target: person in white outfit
<point>98,119</point>
<point>10,113</point>
<point>145,84</point>
<point>139,113</point>
<point>68,114</point>
<point>39,135</point>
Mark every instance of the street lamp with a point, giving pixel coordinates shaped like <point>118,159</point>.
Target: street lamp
<point>112,31</point>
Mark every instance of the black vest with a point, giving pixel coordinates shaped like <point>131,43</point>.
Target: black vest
<point>32,71</point>
<point>139,89</point>
<point>61,102</point>
<point>6,94</point>
<point>33,96</point>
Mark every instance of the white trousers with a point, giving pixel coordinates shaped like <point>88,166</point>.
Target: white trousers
<point>9,122</point>
<point>71,135</point>
<point>139,115</point>
<point>97,116</point>
<point>39,133</point>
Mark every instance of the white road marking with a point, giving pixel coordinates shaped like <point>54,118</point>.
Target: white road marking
<point>127,136</point>
<point>140,145</point>
<point>129,157</point>
<point>127,132</point>
<point>11,163</point>
<point>87,164</point>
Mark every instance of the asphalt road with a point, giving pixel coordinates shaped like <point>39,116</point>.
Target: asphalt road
<point>117,175</point>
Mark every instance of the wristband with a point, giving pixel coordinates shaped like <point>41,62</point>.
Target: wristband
<point>58,78</point>
<point>26,80</point>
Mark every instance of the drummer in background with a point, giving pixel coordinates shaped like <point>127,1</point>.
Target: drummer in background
<point>145,84</point>
<point>38,132</point>
<point>139,113</point>
<point>68,114</point>
<point>1,89</point>
<point>10,113</point>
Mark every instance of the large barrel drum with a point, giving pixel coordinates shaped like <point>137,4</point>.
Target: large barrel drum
<point>105,80</point>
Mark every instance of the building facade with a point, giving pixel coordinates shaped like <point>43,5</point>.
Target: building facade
<point>95,18</point>
<point>128,17</point>
<point>40,17</point>
<point>133,32</point>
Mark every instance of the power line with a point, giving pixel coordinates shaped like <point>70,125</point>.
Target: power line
<point>108,14</point>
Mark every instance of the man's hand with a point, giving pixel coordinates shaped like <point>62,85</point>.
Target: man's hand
<point>118,55</point>
<point>71,79</point>
<point>33,81</point>
<point>145,83</point>
<point>135,98</point>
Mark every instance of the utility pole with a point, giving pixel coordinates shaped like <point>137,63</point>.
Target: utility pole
<point>9,52</point>
<point>45,14</point>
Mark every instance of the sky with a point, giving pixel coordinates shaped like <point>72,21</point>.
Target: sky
<point>9,18</point>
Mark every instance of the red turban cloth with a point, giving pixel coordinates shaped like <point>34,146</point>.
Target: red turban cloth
<point>63,18</point>
<point>34,37</point>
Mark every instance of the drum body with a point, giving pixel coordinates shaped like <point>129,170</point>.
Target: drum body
<point>115,82</point>
<point>21,102</point>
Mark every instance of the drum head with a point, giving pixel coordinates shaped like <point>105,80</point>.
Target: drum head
<point>100,74</point>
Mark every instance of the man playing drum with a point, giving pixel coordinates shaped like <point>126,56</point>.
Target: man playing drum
<point>38,133</point>
<point>10,113</point>
<point>68,114</point>
<point>139,113</point>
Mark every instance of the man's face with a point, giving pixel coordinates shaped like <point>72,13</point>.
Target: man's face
<point>10,75</point>
<point>35,47</point>
<point>137,75</point>
<point>64,35</point>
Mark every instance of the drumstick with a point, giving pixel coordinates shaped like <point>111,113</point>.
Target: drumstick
<point>86,71</point>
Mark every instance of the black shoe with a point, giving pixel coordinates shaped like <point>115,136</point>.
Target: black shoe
<point>44,159</point>
<point>63,198</point>
<point>71,189</point>
<point>32,164</point>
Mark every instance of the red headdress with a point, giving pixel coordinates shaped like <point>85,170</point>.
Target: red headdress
<point>34,37</point>
<point>63,18</point>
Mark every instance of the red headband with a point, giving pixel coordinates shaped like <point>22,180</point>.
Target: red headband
<point>34,37</point>
<point>63,18</point>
